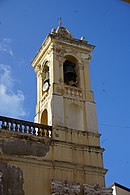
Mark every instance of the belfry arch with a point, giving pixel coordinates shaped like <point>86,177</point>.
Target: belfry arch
<point>70,71</point>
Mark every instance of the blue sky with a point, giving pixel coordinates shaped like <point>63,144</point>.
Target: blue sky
<point>106,24</point>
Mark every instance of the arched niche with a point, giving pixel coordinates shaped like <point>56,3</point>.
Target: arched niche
<point>44,117</point>
<point>70,71</point>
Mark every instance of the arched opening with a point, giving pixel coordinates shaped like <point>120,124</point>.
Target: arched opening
<point>71,58</point>
<point>44,117</point>
<point>70,71</point>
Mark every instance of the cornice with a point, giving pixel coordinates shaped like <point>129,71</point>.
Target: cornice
<point>88,148</point>
<point>39,161</point>
<point>74,41</point>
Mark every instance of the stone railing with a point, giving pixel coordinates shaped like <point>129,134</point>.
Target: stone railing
<point>73,92</point>
<point>22,126</point>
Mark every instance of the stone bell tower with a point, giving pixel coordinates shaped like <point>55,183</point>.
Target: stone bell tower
<point>65,101</point>
<point>64,94</point>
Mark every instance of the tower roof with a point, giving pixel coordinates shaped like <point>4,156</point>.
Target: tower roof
<point>62,31</point>
<point>62,34</point>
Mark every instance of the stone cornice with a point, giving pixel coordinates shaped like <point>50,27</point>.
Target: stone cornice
<point>79,167</point>
<point>58,38</point>
<point>73,41</point>
<point>80,146</point>
<point>87,132</point>
<point>39,161</point>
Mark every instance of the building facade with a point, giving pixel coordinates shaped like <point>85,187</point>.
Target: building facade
<point>60,153</point>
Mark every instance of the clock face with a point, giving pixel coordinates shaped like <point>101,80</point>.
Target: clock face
<point>45,86</point>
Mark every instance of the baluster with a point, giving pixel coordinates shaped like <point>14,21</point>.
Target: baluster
<point>68,91</point>
<point>50,133</point>
<point>73,92</point>
<point>3,125</point>
<point>43,132</point>
<point>7,125</point>
<point>47,133</point>
<point>29,130</point>
<point>11,126</point>
<point>77,93</point>
<point>16,127</point>
<point>25,129</point>
<point>39,131</point>
<point>20,128</point>
<point>34,131</point>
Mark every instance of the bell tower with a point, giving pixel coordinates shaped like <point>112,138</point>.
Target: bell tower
<point>64,94</point>
<point>65,101</point>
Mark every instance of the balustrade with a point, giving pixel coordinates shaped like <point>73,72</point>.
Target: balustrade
<point>73,92</point>
<point>27,127</point>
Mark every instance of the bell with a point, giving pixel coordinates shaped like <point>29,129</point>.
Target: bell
<point>69,72</point>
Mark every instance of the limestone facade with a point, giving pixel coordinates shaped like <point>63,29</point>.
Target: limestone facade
<point>69,154</point>
<point>70,109</point>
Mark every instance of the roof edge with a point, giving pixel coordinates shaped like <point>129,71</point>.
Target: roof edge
<point>120,186</point>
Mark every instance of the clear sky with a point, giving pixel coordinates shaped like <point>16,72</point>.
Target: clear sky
<point>106,24</point>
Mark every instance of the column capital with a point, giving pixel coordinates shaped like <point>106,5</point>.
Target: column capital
<point>80,66</point>
<point>38,69</point>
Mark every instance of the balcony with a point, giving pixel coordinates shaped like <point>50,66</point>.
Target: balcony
<point>25,127</point>
<point>73,92</point>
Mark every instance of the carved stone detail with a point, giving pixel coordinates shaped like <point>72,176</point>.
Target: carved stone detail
<point>64,188</point>
<point>93,190</point>
<point>68,188</point>
<point>64,32</point>
<point>38,69</point>
<point>58,49</point>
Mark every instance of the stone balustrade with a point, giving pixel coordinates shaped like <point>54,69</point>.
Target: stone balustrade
<point>21,126</point>
<point>73,92</point>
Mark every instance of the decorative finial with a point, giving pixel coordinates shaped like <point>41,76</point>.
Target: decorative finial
<point>60,22</point>
<point>83,39</point>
